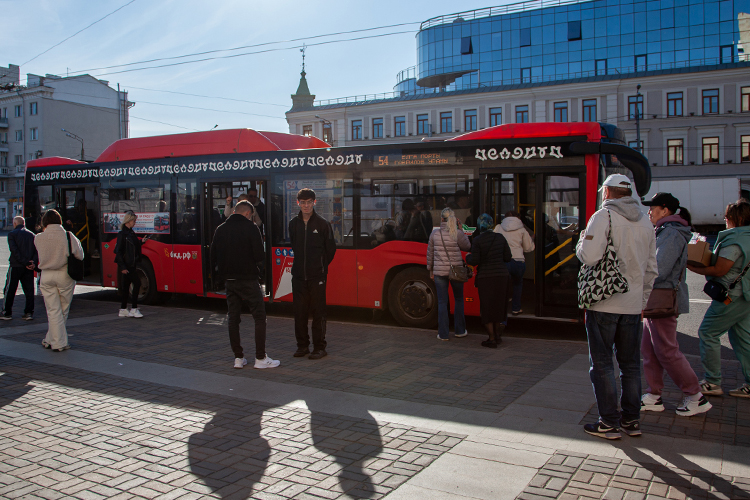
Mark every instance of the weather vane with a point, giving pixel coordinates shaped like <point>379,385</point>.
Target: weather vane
<point>304,47</point>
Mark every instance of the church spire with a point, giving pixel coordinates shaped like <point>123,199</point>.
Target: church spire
<point>303,99</point>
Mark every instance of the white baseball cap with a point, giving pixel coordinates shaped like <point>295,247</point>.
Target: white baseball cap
<point>618,180</point>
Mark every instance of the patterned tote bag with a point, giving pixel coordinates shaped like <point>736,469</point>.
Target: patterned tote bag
<point>603,279</point>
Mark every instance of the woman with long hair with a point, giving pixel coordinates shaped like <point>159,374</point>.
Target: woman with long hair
<point>127,255</point>
<point>659,346</point>
<point>54,244</point>
<point>443,250</point>
<point>731,257</point>
<point>491,253</point>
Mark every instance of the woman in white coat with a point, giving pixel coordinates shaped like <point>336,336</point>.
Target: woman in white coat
<point>57,287</point>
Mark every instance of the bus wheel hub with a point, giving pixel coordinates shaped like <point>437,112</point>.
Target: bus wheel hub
<point>417,299</point>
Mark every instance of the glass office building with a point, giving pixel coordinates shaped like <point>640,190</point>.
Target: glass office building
<point>557,40</point>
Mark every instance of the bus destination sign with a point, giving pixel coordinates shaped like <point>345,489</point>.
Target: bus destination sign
<point>402,160</point>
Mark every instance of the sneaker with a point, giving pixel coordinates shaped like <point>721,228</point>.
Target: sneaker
<point>650,402</point>
<point>123,313</point>
<point>461,335</point>
<point>61,349</point>
<point>317,354</point>
<point>516,313</point>
<point>602,430</point>
<point>709,389</point>
<point>688,407</point>
<point>741,392</point>
<point>632,428</point>
<point>135,313</point>
<point>27,317</point>
<point>5,316</point>
<point>441,338</point>
<point>267,363</point>
<point>301,352</point>
<point>239,362</point>
<point>46,344</point>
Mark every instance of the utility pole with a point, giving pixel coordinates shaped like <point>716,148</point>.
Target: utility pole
<point>638,109</point>
<point>73,136</point>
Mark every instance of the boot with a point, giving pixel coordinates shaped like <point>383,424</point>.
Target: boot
<point>490,342</point>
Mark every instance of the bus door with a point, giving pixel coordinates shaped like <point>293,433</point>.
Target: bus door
<point>79,209</point>
<point>217,195</point>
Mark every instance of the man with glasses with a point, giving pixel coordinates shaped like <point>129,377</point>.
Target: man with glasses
<point>313,247</point>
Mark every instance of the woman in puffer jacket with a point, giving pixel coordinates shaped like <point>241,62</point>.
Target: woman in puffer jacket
<point>659,346</point>
<point>127,255</point>
<point>443,250</point>
<point>520,242</point>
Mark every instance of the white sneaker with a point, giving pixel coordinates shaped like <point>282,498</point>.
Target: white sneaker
<point>651,402</point>
<point>266,363</point>
<point>461,335</point>
<point>123,313</point>
<point>239,362</point>
<point>688,407</point>
<point>135,313</point>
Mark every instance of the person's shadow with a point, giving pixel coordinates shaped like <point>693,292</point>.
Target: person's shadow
<point>232,452</point>
<point>13,387</point>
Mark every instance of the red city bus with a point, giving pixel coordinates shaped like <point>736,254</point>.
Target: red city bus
<point>382,202</point>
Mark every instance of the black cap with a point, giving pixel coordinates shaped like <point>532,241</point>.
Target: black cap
<point>664,200</point>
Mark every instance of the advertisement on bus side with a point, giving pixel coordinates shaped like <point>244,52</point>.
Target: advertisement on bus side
<point>146,223</point>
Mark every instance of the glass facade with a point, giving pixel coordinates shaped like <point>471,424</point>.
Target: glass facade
<point>587,38</point>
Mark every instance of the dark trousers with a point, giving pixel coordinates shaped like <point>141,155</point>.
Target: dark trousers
<point>125,281</point>
<point>247,291</point>
<point>26,278</point>
<point>310,298</point>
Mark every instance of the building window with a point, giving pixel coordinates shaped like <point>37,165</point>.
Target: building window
<point>34,134</point>
<point>356,130</point>
<point>19,160</point>
<point>525,75</point>
<point>561,111</point>
<point>674,104</point>
<point>710,101</point>
<point>307,130</point>
<point>640,62</point>
<point>399,126</point>
<point>674,152</point>
<point>710,150</point>
<point>3,159</point>
<point>328,132</point>
<point>589,110</point>
<point>496,116</point>
<point>727,53</point>
<point>3,186</point>
<point>522,114</point>
<point>745,141</point>
<point>33,110</point>
<point>18,111</point>
<point>446,122</point>
<point>19,185</point>
<point>637,146</point>
<point>745,99</point>
<point>601,66</point>
<point>470,120</point>
<point>525,37</point>
<point>466,47</point>
<point>574,30</point>
<point>423,125</point>
<point>635,107</point>
<point>19,135</point>
<point>377,128</point>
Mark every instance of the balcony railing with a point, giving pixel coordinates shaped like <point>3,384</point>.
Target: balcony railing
<point>495,11</point>
<point>3,122</point>
<point>3,170</point>
<point>20,169</point>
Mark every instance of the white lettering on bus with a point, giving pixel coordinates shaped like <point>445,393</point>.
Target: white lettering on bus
<point>518,153</point>
<point>492,155</point>
<point>555,151</point>
<point>530,153</point>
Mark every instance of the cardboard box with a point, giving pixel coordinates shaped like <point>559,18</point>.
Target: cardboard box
<point>699,254</point>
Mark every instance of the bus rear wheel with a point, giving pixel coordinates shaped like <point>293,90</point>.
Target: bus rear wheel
<point>148,293</point>
<point>412,298</point>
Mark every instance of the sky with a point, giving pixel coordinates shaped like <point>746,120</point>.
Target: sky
<point>246,91</point>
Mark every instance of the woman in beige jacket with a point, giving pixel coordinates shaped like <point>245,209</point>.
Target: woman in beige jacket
<point>57,287</point>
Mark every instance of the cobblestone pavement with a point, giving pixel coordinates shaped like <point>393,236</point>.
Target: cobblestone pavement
<point>74,433</point>
<point>404,364</point>
<point>571,476</point>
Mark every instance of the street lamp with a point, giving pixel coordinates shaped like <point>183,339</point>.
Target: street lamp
<point>73,136</point>
<point>327,126</point>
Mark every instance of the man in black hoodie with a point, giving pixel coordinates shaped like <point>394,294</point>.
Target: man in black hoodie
<point>314,247</point>
<point>237,256</point>
<point>23,259</point>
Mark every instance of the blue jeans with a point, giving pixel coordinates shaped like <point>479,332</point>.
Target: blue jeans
<point>516,268</point>
<point>618,334</point>
<point>441,284</point>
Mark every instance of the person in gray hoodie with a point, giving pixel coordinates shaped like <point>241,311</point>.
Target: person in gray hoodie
<point>659,345</point>
<point>520,242</point>
<point>613,325</point>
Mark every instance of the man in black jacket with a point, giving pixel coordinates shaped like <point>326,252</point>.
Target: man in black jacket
<point>314,247</point>
<point>23,259</point>
<point>237,255</point>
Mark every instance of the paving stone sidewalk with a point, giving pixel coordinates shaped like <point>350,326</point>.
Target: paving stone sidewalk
<point>571,476</point>
<point>72,433</point>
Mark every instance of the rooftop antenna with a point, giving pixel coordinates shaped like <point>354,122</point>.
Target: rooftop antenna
<point>304,47</point>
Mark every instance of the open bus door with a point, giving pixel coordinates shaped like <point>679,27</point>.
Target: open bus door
<point>79,209</point>
<point>549,206</point>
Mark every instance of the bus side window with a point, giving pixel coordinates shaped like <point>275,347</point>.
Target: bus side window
<point>187,214</point>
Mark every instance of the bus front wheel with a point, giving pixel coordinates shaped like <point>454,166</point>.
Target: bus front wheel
<point>412,298</point>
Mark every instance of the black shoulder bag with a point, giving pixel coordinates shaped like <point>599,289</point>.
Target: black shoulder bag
<point>75,266</point>
<point>719,292</point>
